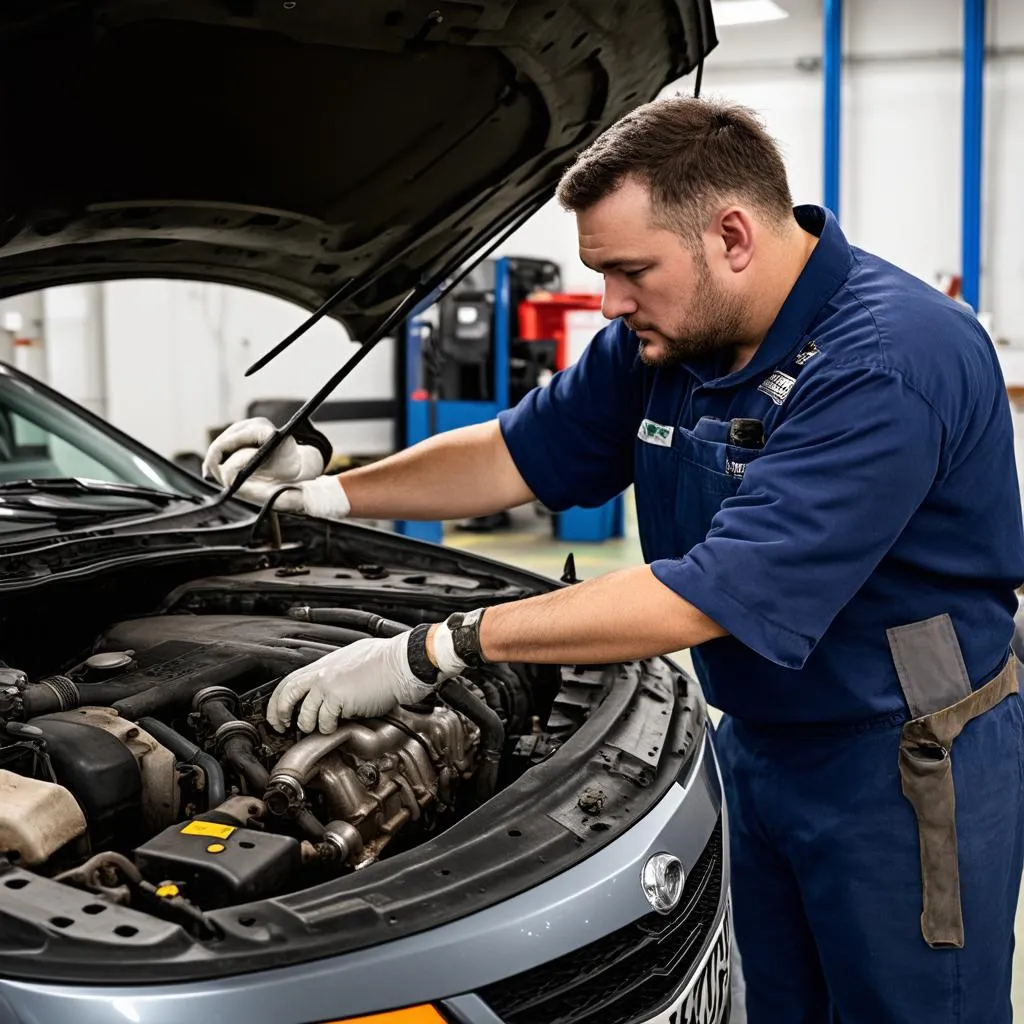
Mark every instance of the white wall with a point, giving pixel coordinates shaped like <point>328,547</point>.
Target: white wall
<point>551,234</point>
<point>162,384</point>
<point>73,343</point>
<point>255,322</point>
<point>22,332</point>
<point>176,353</point>
<point>1003,203</point>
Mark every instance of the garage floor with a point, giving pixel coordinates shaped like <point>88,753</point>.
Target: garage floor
<point>530,544</point>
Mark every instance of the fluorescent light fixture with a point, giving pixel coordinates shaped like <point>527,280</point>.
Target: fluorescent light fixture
<point>745,12</point>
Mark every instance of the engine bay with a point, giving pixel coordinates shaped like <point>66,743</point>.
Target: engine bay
<point>143,770</point>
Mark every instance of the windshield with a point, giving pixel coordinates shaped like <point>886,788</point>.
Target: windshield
<point>42,438</point>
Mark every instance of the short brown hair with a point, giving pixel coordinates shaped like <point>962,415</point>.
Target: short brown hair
<point>690,154</point>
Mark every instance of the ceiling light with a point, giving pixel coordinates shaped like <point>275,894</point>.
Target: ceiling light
<point>745,12</point>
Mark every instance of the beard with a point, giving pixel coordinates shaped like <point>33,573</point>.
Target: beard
<point>713,323</point>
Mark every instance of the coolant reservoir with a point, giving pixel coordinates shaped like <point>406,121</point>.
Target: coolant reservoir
<point>36,818</point>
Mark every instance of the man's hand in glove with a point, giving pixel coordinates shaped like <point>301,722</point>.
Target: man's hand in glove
<point>370,677</point>
<point>581,624</point>
<point>291,464</point>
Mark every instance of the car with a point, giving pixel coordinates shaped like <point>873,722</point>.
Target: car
<point>537,843</point>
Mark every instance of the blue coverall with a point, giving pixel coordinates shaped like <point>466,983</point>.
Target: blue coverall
<point>886,494</point>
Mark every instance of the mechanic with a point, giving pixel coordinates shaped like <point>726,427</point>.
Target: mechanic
<point>822,453</point>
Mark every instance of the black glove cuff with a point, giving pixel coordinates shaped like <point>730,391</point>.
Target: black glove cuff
<point>422,667</point>
<point>465,628</point>
<point>306,433</point>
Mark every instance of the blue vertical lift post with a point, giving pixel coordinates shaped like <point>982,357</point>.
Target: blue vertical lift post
<point>832,72</point>
<point>973,121</point>
<point>427,415</point>
<point>973,142</point>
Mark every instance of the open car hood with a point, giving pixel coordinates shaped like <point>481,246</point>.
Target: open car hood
<point>293,146</point>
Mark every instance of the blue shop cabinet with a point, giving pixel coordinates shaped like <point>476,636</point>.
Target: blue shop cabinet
<point>466,362</point>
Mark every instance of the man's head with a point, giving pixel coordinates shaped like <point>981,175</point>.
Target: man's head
<point>683,205</point>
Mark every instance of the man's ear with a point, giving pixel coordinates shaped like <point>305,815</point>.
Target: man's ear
<point>733,237</point>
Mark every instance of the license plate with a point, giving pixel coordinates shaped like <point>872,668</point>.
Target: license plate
<point>705,999</point>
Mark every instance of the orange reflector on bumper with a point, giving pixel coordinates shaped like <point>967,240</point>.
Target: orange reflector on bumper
<point>413,1015</point>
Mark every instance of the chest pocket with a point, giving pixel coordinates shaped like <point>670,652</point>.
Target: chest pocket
<point>681,483</point>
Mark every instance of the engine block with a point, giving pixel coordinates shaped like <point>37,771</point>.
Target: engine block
<point>373,776</point>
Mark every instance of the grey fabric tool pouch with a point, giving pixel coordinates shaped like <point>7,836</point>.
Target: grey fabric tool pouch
<point>938,692</point>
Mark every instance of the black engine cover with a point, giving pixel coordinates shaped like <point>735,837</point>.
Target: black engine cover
<point>101,773</point>
<point>218,864</point>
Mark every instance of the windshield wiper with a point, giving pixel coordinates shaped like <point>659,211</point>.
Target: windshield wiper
<point>19,510</point>
<point>77,486</point>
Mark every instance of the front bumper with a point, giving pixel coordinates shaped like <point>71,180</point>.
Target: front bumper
<point>458,966</point>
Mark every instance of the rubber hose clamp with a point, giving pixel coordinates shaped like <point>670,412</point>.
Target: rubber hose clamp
<point>236,728</point>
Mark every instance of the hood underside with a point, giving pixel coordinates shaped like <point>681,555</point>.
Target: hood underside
<point>294,146</point>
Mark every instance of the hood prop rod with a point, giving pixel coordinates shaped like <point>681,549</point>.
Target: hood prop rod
<point>274,441</point>
<point>343,292</point>
<point>404,308</point>
<point>353,284</point>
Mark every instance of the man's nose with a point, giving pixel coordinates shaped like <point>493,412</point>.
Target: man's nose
<point>616,302</point>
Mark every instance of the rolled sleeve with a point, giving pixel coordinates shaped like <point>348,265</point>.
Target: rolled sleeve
<point>826,500</point>
<point>572,440</point>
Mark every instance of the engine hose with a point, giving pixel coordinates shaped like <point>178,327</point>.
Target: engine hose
<point>90,874</point>
<point>493,696</point>
<point>160,700</point>
<point>238,748</point>
<point>59,693</point>
<point>376,625</point>
<point>216,712</point>
<point>177,694</point>
<point>492,733</point>
<point>185,750</point>
<point>310,824</point>
<point>517,696</point>
<point>140,693</point>
<point>239,754</point>
<point>336,636</point>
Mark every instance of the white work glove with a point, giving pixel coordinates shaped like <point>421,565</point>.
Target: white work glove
<point>367,678</point>
<point>289,463</point>
<point>294,464</point>
<point>323,496</point>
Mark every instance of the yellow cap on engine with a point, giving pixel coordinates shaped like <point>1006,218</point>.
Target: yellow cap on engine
<point>216,848</point>
<point>168,891</point>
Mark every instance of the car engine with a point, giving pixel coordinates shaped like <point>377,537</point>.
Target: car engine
<point>145,771</point>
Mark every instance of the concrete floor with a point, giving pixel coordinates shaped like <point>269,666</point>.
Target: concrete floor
<point>530,545</point>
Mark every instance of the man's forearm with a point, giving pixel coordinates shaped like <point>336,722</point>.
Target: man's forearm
<point>622,616</point>
<point>454,475</point>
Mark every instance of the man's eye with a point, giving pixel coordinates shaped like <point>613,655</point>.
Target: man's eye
<point>634,274</point>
